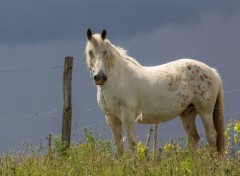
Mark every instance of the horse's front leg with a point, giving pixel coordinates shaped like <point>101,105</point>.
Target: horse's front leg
<point>128,120</point>
<point>116,128</point>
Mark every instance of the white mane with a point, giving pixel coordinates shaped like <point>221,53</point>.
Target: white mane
<point>123,52</point>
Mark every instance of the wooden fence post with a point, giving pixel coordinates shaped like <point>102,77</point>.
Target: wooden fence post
<point>50,145</point>
<point>67,106</point>
<point>155,137</point>
<point>149,134</point>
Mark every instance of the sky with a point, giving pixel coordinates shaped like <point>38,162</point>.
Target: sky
<point>35,36</point>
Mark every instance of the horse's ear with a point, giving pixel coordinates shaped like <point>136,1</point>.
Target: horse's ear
<point>89,34</point>
<point>103,34</point>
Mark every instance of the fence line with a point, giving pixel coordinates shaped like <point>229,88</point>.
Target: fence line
<point>30,69</point>
<point>90,125</point>
<point>104,121</point>
<point>2,70</point>
<point>34,115</point>
<point>231,91</point>
<point>50,113</point>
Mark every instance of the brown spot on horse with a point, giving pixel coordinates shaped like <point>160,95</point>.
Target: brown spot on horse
<point>205,76</point>
<point>199,88</point>
<point>189,67</point>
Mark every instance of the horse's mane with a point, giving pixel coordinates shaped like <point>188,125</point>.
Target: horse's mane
<point>121,51</point>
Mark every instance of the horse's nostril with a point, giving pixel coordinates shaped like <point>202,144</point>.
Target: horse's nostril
<point>95,78</point>
<point>105,78</point>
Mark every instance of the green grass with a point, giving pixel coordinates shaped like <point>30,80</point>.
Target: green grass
<point>95,157</point>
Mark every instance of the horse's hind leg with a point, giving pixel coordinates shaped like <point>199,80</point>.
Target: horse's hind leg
<point>188,121</point>
<point>211,134</point>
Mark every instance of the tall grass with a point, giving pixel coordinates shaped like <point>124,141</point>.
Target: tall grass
<point>96,157</point>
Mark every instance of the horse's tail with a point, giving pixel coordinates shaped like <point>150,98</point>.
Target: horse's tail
<point>218,118</point>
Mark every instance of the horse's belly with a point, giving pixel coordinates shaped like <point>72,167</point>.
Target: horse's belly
<point>154,118</point>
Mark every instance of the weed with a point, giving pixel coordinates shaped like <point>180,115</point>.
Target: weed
<point>95,157</point>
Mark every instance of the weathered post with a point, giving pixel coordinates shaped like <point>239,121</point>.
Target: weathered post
<point>155,137</point>
<point>50,145</point>
<point>149,134</point>
<point>67,106</point>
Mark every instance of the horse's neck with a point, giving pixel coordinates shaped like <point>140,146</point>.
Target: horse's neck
<point>125,72</point>
<point>125,65</point>
<point>125,68</point>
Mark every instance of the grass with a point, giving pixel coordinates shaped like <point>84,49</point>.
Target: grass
<point>95,157</point>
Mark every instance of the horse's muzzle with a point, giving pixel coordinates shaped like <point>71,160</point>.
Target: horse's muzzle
<point>100,78</point>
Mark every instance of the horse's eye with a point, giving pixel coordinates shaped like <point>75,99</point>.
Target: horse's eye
<point>104,52</point>
<point>91,53</point>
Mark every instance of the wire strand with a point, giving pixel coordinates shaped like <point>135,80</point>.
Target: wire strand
<point>49,114</point>
<point>30,69</point>
<point>231,91</point>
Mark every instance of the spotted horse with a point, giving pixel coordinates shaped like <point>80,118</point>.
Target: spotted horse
<point>125,89</point>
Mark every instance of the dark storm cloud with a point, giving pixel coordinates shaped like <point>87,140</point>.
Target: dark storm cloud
<point>33,21</point>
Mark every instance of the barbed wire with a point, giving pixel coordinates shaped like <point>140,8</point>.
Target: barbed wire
<point>30,69</point>
<point>104,122</point>
<point>231,91</point>
<point>51,112</point>
<point>89,126</point>
<point>51,115</point>
<point>48,114</point>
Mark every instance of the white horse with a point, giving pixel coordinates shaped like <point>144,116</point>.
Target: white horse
<point>126,89</point>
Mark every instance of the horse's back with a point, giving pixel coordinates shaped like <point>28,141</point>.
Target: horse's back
<point>189,70</point>
<point>182,65</point>
<point>185,70</point>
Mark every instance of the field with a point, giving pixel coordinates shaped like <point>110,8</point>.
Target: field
<point>95,156</point>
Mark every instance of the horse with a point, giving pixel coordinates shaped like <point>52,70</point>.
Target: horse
<point>128,92</point>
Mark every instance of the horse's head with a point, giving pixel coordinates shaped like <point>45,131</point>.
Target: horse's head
<point>97,56</point>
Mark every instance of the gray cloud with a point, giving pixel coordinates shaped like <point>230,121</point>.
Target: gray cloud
<point>44,32</point>
<point>29,21</point>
